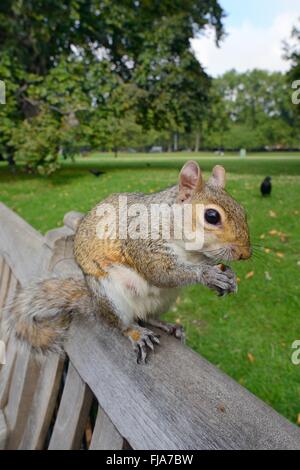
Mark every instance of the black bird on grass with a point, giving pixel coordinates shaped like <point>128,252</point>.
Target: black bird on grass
<point>96,172</point>
<point>266,186</point>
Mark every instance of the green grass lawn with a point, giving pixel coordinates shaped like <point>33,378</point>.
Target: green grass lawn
<point>249,336</point>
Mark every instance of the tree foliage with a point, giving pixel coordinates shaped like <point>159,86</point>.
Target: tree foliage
<point>292,52</point>
<point>255,110</point>
<point>86,70</point>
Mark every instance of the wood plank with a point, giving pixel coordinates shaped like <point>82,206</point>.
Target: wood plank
<point>72,414</point>
<point>177,401</point>
<point>7,369</point>
<point>1,266</point>
<point>3,431</point>
<point>13,286</point>
<point>72,219</point>
<point>12,289</point>
<point>105,435</point>
<point>6,374</point>
<point>4,285</point>
<point>28,254</point>
<point>44,400</point>
<point>21,392</point>
<point>22,246</point>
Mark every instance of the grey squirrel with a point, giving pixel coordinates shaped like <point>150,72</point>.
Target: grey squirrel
<point>132,280</point>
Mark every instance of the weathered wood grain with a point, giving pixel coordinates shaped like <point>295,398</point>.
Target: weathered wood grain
<point>21,392</point>
<point>23,248</point>
<point>72,219</point>
<point>6,373</point>
<point>4,286</point>
<point>12,289</point>
<point>72,414</point>
<point>3,431</point>
<point>41,410</point>
<point>105,435</point>
<point>62,262</point>
<point>1,266</point>
<point>178,401</point>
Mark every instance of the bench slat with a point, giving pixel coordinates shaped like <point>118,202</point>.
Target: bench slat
<point>105,435</point>
<point>41,411</point>
<point>22,388</point>
<point>6,373</point>
<point>2,262</point>
<point>72,414</point>
<point>12,289</point>
<point>3,431</point>
<point>23,248</point>
<point>4,285</point>
<point>177,401</point>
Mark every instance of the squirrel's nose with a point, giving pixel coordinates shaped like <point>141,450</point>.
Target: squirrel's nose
<point>246,253</point>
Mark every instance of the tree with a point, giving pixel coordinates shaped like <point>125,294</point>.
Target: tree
<point>143,46</point>
<point>292,53</point>
<point>255,108</point>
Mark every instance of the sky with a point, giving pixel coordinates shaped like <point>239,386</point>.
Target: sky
<point>255,31</point>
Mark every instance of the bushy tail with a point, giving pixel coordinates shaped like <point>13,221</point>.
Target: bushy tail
<point>41,313</point>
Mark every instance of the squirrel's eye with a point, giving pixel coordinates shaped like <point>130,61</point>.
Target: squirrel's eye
<point>212,216</point>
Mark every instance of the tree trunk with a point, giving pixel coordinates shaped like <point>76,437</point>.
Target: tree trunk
<point>170,144</point>
<point>175,141</point>
<point>197,141</point>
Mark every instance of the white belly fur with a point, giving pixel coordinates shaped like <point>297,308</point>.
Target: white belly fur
<point>133,297</point>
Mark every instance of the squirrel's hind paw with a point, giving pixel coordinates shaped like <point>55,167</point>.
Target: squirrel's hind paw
<point>142,340</point>
<point>170,328</point>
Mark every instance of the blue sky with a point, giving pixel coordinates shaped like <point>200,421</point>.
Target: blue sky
<point>255,30</point>
<point>258,12</point>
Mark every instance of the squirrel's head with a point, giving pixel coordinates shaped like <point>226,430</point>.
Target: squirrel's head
<point>226,232</point>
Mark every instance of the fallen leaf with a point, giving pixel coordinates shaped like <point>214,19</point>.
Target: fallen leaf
<point>268,276</point>
<point>249,275</point>
<point>280,255</point>
<point>238,279</point>
<point>267,250</point>
<point>298,419</point>
<point>283,237</point>
<point>263,236</point>
<point>221,408</point>
<point>250,357</point>
<point>273,233</point>
<point>272,214</point>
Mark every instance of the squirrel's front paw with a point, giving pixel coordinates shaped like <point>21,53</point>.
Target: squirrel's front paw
<point>141,339</point>
<point>220,278</point>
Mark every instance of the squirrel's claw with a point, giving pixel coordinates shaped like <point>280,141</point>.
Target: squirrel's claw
<point>170,328</point>
<point>221,279</point>
<point>141,339</point>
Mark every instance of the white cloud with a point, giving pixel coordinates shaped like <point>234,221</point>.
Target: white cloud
<point>247,47</point>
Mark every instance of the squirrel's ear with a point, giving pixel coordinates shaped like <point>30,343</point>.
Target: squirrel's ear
<point>218,177</point>
<point>190,180</point>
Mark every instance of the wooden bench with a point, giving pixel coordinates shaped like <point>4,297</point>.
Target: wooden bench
<point>178,401</point>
